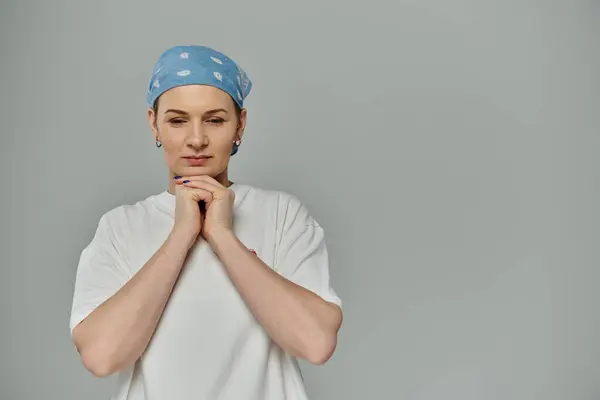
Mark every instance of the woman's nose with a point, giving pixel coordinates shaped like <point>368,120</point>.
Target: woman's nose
<point>197,137</point>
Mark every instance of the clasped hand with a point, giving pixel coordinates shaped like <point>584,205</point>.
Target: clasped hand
<point>218,202</point>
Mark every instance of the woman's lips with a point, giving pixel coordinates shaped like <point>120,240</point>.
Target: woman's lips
<point>197,161</point>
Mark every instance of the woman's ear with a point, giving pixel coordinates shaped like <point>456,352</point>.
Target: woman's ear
<point>152,122</point>
<point>242,123</point>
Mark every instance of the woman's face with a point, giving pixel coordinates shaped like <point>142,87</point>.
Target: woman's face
<point>197,126</point>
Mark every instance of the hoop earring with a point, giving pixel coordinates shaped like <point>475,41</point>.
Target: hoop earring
<point>158,143</point>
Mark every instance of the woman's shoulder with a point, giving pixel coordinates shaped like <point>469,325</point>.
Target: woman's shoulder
<point>133,210</point>
<point>273,196</point>
<point>286,203</point>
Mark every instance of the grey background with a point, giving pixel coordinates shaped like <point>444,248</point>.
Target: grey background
<point>449,148</point>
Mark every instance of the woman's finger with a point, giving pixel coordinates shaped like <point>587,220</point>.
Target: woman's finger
<point>210,182</point>
<point>217,191</point>
<point>199,193</point>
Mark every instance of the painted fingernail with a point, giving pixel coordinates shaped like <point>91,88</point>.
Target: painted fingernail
<point>186,182</point>
<point>176,177</point>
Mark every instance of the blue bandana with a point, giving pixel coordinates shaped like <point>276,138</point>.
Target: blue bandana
<point>198,65</point>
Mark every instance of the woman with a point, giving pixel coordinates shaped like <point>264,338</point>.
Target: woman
<point>210,289</point>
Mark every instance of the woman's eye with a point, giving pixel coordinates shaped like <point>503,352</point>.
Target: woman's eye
<point>177,121</point>
<point>215,121</point>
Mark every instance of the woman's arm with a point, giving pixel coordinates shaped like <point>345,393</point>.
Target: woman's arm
<point>298,320</point>
<point>116,333</point>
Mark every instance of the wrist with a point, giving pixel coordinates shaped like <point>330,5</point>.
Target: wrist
<point>220,238</point>
<point>182,238</point>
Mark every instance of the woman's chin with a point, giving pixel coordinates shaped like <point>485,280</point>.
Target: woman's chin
<point>196,171</point>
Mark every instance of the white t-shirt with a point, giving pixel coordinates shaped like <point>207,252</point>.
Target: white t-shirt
<point>207,344</point>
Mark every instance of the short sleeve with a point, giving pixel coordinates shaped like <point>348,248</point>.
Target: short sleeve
<point>302,255</point>
<point>100,273</point>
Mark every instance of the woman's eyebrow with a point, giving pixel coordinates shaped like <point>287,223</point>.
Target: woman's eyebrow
<point>172,110</point>
<point>216,110</point>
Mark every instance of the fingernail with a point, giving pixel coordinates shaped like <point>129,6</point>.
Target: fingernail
<point>185,181</point>
<point>177,177</point>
